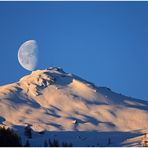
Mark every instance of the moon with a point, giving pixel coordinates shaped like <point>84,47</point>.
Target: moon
<point>28,55</point>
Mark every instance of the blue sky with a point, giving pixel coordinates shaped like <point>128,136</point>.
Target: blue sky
<point>103,42</point>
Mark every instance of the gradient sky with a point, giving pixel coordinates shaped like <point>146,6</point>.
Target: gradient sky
<point>103,42</point>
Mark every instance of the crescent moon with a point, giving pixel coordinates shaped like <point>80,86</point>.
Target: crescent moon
<point>28,55</point>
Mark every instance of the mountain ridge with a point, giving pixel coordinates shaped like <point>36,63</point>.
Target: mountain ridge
<point>53,100</point>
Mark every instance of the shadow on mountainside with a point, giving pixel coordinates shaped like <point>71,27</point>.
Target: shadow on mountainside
<point>2,120</point>
<point>60,79</point>
<point>92,138</point>
<point>79,138</point>
<point>118,99</point>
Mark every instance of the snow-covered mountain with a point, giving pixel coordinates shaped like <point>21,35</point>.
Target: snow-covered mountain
<point>66,107</point>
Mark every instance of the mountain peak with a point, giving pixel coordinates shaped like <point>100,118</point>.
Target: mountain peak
<point>59,69</point>
<point>41,79</point>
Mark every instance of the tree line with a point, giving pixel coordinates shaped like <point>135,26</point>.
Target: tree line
<point>9,138</point>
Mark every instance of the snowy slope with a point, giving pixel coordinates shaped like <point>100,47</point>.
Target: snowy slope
<point>57,102</point>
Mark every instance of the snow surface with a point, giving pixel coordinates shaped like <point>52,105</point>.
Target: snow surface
<point>68,108</point>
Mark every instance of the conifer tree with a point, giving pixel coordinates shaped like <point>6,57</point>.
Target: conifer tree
<point>8,138</point>
<point>27,144</point>
<point>28,132</point>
